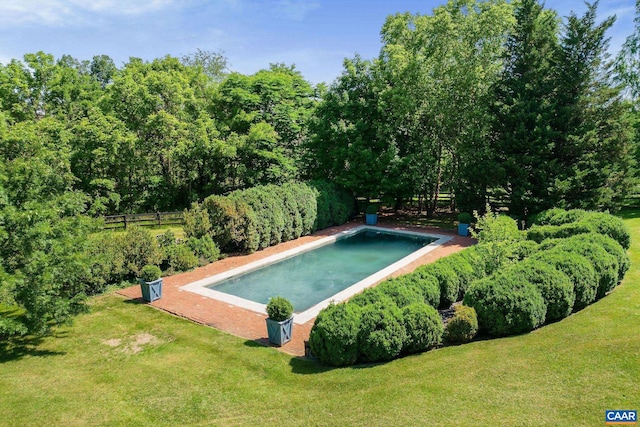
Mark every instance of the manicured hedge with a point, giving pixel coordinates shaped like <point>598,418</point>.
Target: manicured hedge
<point>423,327</point>
<point>555,286</point>
<point>334,335</point>
<point>605,264</point>
<point>506,304</point>
<point>448,280</point>
<point>508,287</point>
<point>579,270</point>
<point>382,333</point>
<point>556,224</point>
<point>258,217</point>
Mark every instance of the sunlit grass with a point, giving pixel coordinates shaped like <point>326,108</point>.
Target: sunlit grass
<point>129,364</point>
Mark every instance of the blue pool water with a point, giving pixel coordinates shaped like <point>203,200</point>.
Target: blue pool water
<point>313,276</point>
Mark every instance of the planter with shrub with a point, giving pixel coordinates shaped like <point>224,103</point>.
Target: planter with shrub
<point>151,283</point>
<point>280,320</point>
<point>371,214</point>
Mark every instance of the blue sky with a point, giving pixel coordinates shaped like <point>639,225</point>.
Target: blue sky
<point>315,35</point>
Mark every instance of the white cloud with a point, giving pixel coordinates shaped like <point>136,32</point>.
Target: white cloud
<point>72,12</point>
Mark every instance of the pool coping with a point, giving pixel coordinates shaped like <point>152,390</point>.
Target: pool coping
<point>199,286</point>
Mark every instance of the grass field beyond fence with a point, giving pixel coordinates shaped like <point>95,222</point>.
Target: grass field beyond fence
<point>127,364</point>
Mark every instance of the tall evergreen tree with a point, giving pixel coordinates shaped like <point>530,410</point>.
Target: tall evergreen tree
<point>524,110</point>
<point>592,146</point>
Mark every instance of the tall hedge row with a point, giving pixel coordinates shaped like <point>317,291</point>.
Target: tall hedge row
<point>258,217</point>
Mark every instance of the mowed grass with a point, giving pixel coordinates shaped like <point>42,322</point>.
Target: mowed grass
<point>127,364</point>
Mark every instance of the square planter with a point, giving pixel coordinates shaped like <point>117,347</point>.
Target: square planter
<point>280,332</point>
<point>151,291</point>
<point>371,219</point>
<point>463,229</point>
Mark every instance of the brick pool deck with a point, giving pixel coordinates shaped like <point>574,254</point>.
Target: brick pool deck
<point>251,325</point>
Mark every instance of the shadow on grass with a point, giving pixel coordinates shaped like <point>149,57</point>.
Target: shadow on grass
<point>629,213</point>
<point>17,348</point>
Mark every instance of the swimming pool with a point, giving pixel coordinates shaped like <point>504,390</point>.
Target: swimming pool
<point>312,275</point>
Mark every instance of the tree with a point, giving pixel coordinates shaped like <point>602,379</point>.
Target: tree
<point>439,69</point>
<point>593,144</point>
<point>347,143</point>
<point>524,110</point>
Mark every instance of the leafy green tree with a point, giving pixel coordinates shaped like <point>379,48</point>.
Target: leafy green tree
<point>439,69</point>
<point>347,143</point>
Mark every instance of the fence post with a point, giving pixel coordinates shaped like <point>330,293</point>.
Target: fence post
<point>125,221</point>
<point>159,221</point>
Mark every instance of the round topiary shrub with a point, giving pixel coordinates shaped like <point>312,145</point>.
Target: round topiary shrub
<point>448,280</point>
<point>613,248</point>
<point>555,286</point>
<point>506,304</point>
<point>400,291</point>
<point>150,273</point>
<point>426,285</point>
<point>579,270</point>
<point>367,297</point>
<point>463,270</point>
<point>382,332</point>
<point>334,335</point>
<point>611,226</point>
<point>423,327</point>
<point>279,309</point>
<point>463,326</point>
<point>606,265</point>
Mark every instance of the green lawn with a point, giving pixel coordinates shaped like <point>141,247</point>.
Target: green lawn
<point>129,364</point>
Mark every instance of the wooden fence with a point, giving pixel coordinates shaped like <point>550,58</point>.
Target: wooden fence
<point>157,219</point>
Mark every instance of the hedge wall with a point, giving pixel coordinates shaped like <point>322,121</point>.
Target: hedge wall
<point>258,217</point>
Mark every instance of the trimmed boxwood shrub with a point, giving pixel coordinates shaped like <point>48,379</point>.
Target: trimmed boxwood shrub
<point>506,304</point>
<point>611,226</point>
<point>423,327</point>
<point>400,292</point>
<point>463,270</point>
<point>579,270</point>
<point>523,249</point>
<point>382,332</point>
<point>538,233</point>
<point>425,284</point>
<point>613,248</point>
<point>557,216</point>
<point>605,265</point>
<point>334,335</point>
<point>279,309</point>
<point>463,326</point>
<point>447,279</point>
<point>368,296</point>
<point>555,286</point>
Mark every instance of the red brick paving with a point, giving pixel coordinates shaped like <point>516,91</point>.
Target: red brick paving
<point>251,325</point>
